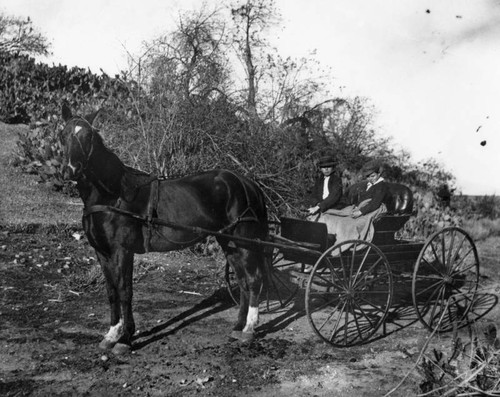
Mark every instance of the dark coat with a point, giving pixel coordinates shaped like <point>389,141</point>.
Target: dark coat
<point>334,189</point>
<point>378,194</point>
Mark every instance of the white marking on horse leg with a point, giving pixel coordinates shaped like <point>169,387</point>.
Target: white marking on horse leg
<point>115,332</point>
<point>77,128</point>
<point>252,319</point>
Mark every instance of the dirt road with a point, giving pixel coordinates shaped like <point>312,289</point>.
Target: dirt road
<point>53,314</point>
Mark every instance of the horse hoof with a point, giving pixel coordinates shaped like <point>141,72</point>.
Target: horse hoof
<point>247,336</point>
<point>242,336</point>
<point>106,344</point>
<point>121,349</point>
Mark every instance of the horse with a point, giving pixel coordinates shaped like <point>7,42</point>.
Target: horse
<point>121,203</point>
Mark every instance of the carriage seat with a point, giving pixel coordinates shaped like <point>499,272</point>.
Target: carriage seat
<point>399,203</point>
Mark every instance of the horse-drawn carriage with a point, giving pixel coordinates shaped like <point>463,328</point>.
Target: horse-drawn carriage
<point>350,285</point>
<point>353,287</point>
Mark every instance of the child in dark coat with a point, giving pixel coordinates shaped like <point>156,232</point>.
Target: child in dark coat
<point>376,190</point>
<point>328,188</point>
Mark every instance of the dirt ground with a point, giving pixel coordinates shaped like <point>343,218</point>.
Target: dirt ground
<point>53,313</point>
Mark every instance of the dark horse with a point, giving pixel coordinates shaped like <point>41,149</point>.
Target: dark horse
<point>217,200</point>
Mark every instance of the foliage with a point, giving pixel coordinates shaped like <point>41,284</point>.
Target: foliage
<point>19,36</point>
<point>488,207</point>
<point>180,110</point>
<point>471,367</point>
<point>33,92</point>
<point>482,228</point>
<point>425,179</point>
<point>429,217</point>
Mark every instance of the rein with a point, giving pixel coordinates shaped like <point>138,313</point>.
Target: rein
<point>94,209</point>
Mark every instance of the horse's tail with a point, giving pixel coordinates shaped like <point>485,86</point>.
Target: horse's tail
<point>257,198</point>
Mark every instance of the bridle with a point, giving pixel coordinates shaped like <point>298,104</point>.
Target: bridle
<point>85,164</point>
<point>86,156</point>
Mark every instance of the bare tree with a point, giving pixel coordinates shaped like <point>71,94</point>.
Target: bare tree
<point>18,35</point>
<point>250,20</point>
<point>184,75</point>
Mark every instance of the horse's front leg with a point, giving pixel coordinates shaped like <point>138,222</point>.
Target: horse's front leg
<point>115,320</point>
<point>118,272</point>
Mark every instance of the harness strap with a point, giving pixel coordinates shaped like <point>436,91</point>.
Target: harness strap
<point>156,221</point>
<point>151,219</point>
<point>97,208</point>
<point>154,196</point>
<point>247,196</point>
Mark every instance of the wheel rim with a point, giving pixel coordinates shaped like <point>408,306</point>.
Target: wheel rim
<point>278,290</point>
<point>445,280</point>
<point>349,293</point>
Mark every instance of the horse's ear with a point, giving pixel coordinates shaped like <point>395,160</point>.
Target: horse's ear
<point>91,117</point>
<point>66,112</point>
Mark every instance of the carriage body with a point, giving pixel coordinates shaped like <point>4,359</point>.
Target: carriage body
<point>352,288</point>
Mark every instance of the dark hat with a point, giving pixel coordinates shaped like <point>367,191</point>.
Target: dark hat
<point>371,167</point>
<point>327,161</point>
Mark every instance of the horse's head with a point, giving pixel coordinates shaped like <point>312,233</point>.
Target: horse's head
<point>80,137</point>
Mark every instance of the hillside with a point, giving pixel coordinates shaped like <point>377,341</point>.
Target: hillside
<point>22,197</point>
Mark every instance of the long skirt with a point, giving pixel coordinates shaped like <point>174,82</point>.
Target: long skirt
<point>341,224</point>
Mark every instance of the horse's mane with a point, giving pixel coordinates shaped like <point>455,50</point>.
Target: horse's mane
<point>135,171</point>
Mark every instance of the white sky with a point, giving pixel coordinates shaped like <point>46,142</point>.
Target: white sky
<point>434,77</point>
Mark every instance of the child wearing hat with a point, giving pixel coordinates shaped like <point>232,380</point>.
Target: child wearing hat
<point>328,188</point>
<point>376,190</point>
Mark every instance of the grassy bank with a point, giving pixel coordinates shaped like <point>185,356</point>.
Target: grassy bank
<point>23,200</point>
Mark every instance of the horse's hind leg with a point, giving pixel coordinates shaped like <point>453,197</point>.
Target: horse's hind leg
<point>246,265</point>
<point>253,261</point>
<point>124,265</point>
<point>239,271</point>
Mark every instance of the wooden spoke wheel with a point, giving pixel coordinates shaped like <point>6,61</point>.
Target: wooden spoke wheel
<point>349,293</point>
<point>279,287</point>
<point>445,280</point>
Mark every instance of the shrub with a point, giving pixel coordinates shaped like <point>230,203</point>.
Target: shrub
<point>488,207</point>
<point>482,228</point>
<point>155,126</point>
<point>430,216</point>
<point>33,93</point>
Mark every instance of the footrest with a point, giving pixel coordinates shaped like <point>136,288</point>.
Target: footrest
<point>299,278</point>
<point>322,287</point>
<point>302,278</point>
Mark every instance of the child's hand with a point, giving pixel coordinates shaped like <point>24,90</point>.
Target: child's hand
<point>356,213</point>
<point>313,210</point>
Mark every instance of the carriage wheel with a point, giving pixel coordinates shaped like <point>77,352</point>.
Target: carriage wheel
<point>445,280</point>
<point>278,290</point>
<point>349,293</point>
